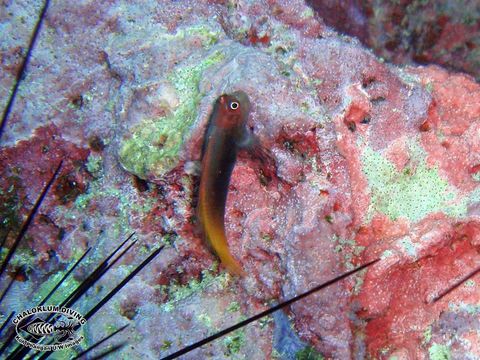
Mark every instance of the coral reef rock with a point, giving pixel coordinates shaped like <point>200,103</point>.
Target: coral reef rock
<point>359,159</point>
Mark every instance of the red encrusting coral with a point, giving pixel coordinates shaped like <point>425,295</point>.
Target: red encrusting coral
<point>397,300</point>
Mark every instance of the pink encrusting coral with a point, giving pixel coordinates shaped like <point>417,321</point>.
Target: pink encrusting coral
<point>359,159</point>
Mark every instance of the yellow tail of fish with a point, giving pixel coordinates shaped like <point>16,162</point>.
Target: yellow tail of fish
<point>218,241</point>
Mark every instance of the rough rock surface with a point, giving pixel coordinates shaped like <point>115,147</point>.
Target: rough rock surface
<point>442,32</point>
<point>364,160</point>
<point>17,20</point>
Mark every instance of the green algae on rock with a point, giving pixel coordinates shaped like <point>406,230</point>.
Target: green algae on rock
<point>439,352</point>
<point>178,293</point>
<point>308,353</point>
<point>234,342</point>
<point>154,144</point>
<point>412,193</point>
<point>67,287</point>
<point>94,165</point>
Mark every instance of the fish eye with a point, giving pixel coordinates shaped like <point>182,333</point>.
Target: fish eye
<point>234,105</point>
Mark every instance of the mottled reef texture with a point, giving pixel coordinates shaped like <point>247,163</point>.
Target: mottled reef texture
<point>17,19</point>
<point>366,160</point>
<point>443,32</point>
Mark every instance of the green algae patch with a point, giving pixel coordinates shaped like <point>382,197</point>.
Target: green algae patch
<point>233,307</point>
<point>412,193</point>
<point>308,353</point>
<point>427,335</point>
<point>152,148</point>
<point>23,258</point>
<point>10,205</point>
<point>95,165</point>
<point>439,352</point>
<point>234,342</point>
<point>207,34</point>
<point>64,354</point>
<point>67,287</point>
<point>127,207</point>
<point>206,320</point>
<point>127,203</point>
<point>177,293</point>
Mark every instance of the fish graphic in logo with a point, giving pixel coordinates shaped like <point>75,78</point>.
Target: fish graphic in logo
<point>39,328</point>
<point>49,328</point>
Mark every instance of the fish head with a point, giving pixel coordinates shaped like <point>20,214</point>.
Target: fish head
<point>233,110</point>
